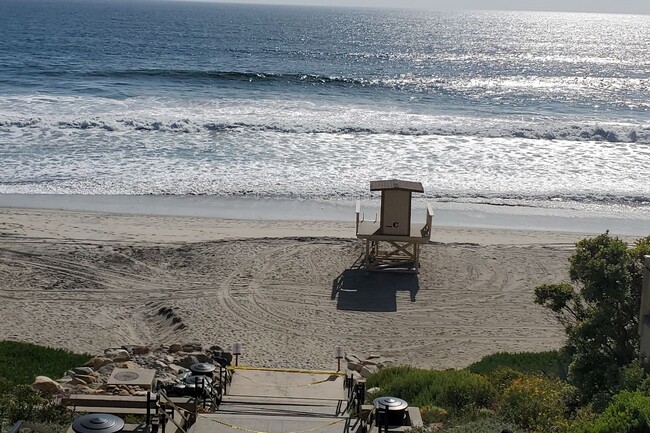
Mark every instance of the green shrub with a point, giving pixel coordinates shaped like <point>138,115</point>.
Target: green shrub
<point>20,363</point>
<point>502,378</point>
<point>491,425</point>
<point>553,363</point>
<point>433,414</point>
<point>453,390</point>
<point>629,412</point>
<point>23,402</point>
<point>536,403</point>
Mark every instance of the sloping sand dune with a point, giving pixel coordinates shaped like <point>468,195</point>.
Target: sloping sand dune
<point>88,281</point>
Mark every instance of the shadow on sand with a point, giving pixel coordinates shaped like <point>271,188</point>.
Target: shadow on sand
<point>360,290</point>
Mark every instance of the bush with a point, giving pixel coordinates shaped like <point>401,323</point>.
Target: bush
<point>536,403</point>
<point>492,425</point>
<point>453,390</point>
<point>552,363</point>
<point>433,414</point>
<point>503,377</point>
<point>629,412</point>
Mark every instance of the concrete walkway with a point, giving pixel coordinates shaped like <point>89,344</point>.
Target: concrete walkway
<point>261,401</point>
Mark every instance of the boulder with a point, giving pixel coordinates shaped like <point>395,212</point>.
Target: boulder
<point>175,348</point>
<point>373,356</point>
<point>46,385</point>
<point>374,390</point>
<point>368,370</point>
<point>83,370</point>
<point>88,378</point>
<point>106,370</point>
<point>98,362</point>
<point>192,347</point>
<point>355,366</point>
<point>127,364</point>
<point>117,355</point>
<point>352,358</point>
<point>140,350</point>
<point>385,364</point>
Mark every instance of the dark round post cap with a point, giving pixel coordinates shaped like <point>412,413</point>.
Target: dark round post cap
<point>98,423</point>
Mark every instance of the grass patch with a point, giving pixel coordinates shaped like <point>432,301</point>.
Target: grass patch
<point>20,363</point>
<point>453,390</point>
<point>552,364</point>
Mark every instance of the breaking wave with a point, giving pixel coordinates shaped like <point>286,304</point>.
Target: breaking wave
<point>477,128</point>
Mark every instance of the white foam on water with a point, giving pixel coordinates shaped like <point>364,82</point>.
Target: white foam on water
<point>297,148</point>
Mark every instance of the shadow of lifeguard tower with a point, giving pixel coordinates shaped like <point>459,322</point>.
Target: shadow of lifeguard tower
<point>392,243</point>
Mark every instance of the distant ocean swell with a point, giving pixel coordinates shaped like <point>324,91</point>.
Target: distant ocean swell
<point>549,130</point>
<point>616,92</point>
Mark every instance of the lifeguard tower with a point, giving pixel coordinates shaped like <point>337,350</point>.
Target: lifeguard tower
<point>392,242</point>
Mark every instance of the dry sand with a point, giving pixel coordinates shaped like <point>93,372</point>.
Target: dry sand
<point>88,281</point>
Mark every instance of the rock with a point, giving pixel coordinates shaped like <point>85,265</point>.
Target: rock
<point>78,381</point>
<point>225,357</point>
<point>385,364</point>
<point>368,362</point>
<point>374,390</point>
<point>355,366</point>
<point>65,379</point>
<point>373,356</point>
<point>98,362</point>
<point>190,360</point>
<point>83,370</point>
<point>176,368</point>
<point>140,393</point>
<point>368,370</point>
<point>175,348</point>
<point>123,392</point>
<point>46,385</point>
<point>352,358</point>
<point>106,370</point>
<point>117,355</point>
<point>127,364</point>
<point>192,347</point>
<point>200,356</point>
<point>88,378</point>
<point>87,390</point>
<point>140,350</point>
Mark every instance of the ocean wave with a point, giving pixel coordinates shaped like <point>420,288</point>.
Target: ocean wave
<point>249,76</point>
<point>217,189</point>
<point>542,131</point>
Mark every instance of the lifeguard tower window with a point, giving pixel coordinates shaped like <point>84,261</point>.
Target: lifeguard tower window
<point>396,212</point>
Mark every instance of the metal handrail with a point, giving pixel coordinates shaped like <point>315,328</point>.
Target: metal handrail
<point>164,416</point>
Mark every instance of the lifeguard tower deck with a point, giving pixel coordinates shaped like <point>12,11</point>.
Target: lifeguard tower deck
<point>392,242</point>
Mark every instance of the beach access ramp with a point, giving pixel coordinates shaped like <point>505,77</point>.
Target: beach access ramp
<point>279,401</point>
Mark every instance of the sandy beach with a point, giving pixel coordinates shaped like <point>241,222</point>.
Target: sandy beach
<point>87,281</point>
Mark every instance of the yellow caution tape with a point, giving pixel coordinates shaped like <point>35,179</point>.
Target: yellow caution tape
<point>286,370</point>
<point>237,427</point>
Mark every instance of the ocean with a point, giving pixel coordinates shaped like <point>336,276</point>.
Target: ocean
<point>182,98</point>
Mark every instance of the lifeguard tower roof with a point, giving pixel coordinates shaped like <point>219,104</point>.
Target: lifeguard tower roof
<point>380,185</point>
